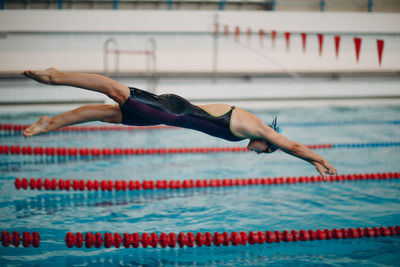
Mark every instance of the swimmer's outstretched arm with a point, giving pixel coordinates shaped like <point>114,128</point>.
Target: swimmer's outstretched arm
<point>105,113</point>
<point>293,148</point>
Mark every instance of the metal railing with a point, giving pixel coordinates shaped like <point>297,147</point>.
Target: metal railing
<point>149,52</point>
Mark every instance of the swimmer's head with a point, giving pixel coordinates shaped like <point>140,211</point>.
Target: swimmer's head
<point>260,145</point>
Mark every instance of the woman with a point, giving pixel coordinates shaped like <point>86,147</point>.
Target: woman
<point>137,107</point>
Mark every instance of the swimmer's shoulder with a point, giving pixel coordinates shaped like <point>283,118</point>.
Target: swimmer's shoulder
<point>245,123</point>
<point>244,114</point>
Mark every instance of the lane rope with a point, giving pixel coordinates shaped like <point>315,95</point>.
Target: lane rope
<point>144,240</point>
<point>135,240</point>
<point>27,239</point>
<point>8,127</point>
<point>123,185</point>
<point>97,152</point>
<point>17,128</point>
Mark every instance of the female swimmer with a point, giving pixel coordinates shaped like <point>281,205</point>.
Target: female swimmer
<point>138,107</point>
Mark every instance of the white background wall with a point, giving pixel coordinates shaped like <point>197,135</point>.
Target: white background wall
<point>73,40</point>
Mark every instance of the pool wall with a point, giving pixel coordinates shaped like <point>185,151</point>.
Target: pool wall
<point>73,40</point>
<point>264,93</point>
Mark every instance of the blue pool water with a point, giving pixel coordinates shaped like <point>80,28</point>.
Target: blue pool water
<point>279,207</point>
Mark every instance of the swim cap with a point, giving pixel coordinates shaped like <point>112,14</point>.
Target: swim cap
<point>274,125</point>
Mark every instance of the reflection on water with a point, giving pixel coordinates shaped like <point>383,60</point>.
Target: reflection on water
<point>52,203</point>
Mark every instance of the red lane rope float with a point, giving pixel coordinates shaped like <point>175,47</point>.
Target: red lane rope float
<point>27,239</point>
<point>172,240</point>
<point>117,185</point>
<point>20,127</point>
<point>84,152</point>
<point>74,151</point>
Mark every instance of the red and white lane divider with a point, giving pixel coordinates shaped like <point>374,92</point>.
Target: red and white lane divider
<point>15,238</point>
<point>172,240</point>
<point>20,127</point>
<point>74,151</point>
<point>123,185</point>
<point>135,240</point>
<point>97,152</point>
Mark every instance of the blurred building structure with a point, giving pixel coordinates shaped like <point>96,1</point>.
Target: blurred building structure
<point>198,42</point>
<point>278,5</point>
<point>238,44</point>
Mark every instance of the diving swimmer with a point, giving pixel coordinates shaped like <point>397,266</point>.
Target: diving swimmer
<point>141,108</point>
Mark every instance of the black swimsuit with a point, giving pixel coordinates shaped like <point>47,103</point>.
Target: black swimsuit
<point>144,108</point>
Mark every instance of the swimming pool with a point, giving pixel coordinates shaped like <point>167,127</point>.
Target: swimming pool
<point>213,209</point>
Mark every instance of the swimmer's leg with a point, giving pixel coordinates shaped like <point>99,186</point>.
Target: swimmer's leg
<point>105,113</point>
<point>94,82</point>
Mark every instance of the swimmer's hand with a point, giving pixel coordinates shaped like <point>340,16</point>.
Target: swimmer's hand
<point>325,168</point>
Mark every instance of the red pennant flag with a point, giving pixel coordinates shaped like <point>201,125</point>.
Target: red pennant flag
<point>248,34</point>
<point>273,37</point>
<point>226,30</point>
<point>320,43</point>
<point>261,34</point>
<point>237,32</point>
<point>357,43</point>
<point>304,40</point>
<point>380,44</point>
<point>287,37</point>
<point>337,45</point>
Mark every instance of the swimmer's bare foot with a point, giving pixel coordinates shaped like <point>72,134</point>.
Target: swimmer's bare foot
<point>43,76</point>
<point>37,128</point>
